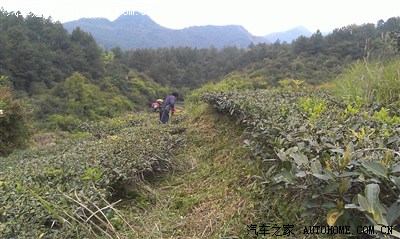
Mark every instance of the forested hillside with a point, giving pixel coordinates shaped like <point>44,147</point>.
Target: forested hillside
<point>65,78</point>
<point>47,55</point>
<point>315,59</point>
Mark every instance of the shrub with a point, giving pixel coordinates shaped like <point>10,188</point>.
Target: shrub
<point>66,190</point>
<point>342,165</point>
<point>14,129</point>
<point>63,122</point>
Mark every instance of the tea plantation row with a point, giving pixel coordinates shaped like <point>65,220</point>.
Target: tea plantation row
<point>341,159</point>
<point>66,190</point>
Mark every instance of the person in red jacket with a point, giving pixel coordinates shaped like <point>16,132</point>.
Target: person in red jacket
<point>167,106</point>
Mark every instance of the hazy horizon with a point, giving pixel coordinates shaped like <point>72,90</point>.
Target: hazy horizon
<point>258,17</point>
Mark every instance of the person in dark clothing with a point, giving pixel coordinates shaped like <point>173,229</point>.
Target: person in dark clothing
<point>167,106</point>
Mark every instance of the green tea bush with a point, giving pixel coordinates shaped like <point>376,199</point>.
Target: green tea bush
<point>66,190</point>
<point>233,82</point>
<point>343,165</point>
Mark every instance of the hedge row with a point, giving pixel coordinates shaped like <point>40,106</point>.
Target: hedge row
<point>65,190</point>
<point>341,159</point>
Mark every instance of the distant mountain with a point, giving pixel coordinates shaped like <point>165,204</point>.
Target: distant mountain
<point>137,30</point>
<point>289,35</point>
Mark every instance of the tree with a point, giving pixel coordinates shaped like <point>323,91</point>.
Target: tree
<point>395,40</point>
<point>86,54</point>
<point>14,130</point>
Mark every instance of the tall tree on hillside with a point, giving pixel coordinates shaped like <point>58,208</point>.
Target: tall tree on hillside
<point>86,55</point>
<point>316,43</point>
<point>395,40</point>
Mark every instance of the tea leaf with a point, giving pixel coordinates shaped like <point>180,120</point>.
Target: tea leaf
<point>396,168</point>
<point>316,167</point>
<point>325,177</point>
<point>331,187</point>
<point>375,168</point>
<point>396,181</point>
<point>372,195</point>
<point>299,158</point>
<point>393,213</point>
<point>363,203</point>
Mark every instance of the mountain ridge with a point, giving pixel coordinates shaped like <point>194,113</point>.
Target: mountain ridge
<point>137,30</point>
<point>288,35</point>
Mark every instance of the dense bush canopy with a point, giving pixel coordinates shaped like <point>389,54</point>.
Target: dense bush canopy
<point>66,190</point>
<point>341,159</point>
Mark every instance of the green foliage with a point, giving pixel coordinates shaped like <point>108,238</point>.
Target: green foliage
<point>38,53</point>
<point>142,90</point>
<point>14,124</point>
<point>66,190</point>
<point>314,60</point>
<point>384,117</point>
<point>233,82</point>
<point>49,54</point>
<point>344,167</point>
<point>395,40</point>
<point>68,74</point>
<point>371,81</point>
<point>312,106</point>
<point>353,108</point>
<point>63,122</point>
<point>78,100</point>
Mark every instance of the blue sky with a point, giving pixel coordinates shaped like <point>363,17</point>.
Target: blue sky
<point>259,17</point>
